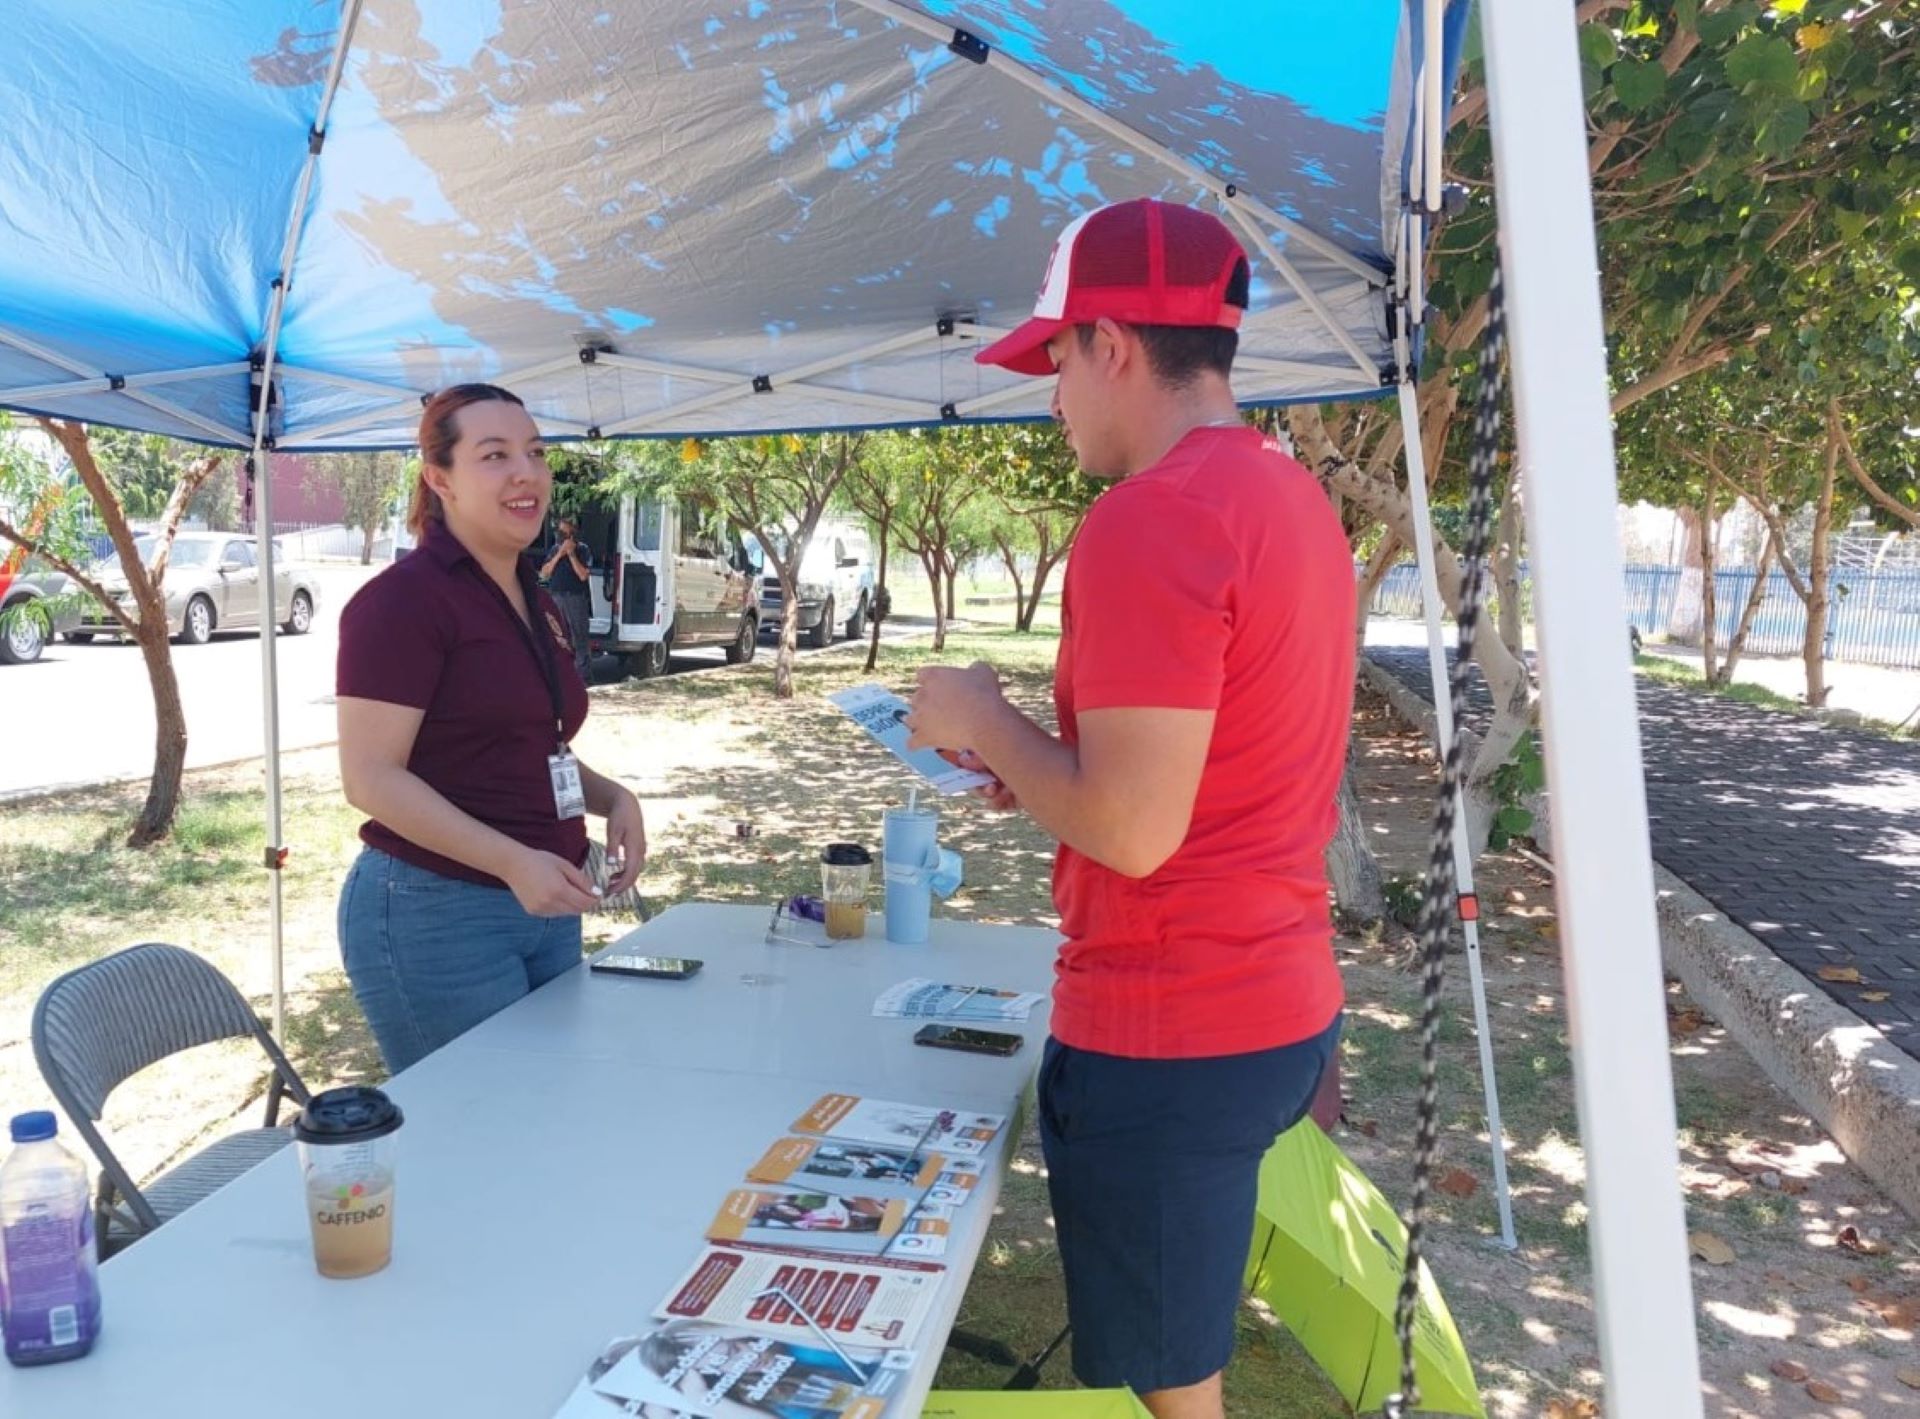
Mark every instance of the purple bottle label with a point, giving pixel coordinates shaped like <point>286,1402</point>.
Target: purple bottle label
<point>53,1294</point>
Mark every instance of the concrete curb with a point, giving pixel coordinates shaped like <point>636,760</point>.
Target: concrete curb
<point>1829,1061</point>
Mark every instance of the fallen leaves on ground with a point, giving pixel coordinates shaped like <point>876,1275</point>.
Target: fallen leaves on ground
<point>1822,1391</point>
<point>1851,1238</point>
<point>1839,975</point>
<point>1457,1182</point>
<point>1907,1377</point>
<point>1686,1021</point>
<point>1710,1249</point>
<point>1580,1408</point>
<point>1792,1371</point>
<point>1875,997</point>
<point>1367,1128</point>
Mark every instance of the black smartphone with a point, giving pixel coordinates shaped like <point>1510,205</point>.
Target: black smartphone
<point>652,967</point>
<point>973,1041</point>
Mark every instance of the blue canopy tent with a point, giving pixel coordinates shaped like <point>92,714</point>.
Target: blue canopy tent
<point>277,224</point>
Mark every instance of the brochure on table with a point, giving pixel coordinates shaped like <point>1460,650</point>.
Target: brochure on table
<point>693,1369</point>
<point>882,714</point>
<point>922,999</point>
<point>852,1119</point>
<point>828,1164</point>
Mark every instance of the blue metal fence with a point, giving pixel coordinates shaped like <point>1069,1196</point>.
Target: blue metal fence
<point>1874,617</point>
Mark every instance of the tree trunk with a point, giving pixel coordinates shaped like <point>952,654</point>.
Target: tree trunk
<point>952,574</point>
<point>789,630</point>
<point>1508,680</point>
<point>169,735</point>
<point>1359,895</point>
<point>1758,594</point>
<point>930,563</point>
<point>366,546</point>
<point>1012,563</point>
<point>1506,567</point>
<point>1709,599</point>
<point>1814,651</point>
<point>882,598</point>
<point>1683,621</point>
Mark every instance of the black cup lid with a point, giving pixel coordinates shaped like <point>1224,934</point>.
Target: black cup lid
<point>353,1114</point>
<point>846,855</point>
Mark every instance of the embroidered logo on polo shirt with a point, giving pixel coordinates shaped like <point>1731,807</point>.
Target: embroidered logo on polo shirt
<point>559,631</point>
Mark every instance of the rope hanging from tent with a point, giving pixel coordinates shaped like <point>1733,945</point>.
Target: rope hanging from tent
<point>1440,888</point>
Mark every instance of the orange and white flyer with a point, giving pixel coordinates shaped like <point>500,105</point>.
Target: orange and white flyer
<point>852,1119</point>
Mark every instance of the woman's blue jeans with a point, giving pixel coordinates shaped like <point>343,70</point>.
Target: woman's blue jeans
<point>430,957</point>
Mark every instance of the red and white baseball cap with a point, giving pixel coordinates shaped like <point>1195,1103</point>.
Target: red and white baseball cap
<point>1141,263</point>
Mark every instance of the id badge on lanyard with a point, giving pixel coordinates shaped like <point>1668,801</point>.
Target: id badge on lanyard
<point>569,796</point>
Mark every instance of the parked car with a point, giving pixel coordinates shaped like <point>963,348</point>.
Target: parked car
<point>36,604</point>
<point>835,585</point>
<point>212,584</point>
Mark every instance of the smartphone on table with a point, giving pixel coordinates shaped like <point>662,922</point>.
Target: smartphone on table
<point>652,967</point>
<point>972,1041</point>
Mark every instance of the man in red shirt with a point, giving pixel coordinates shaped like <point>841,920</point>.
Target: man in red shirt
<point>1203,687</point>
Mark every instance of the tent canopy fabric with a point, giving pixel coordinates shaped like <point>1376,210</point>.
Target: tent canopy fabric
<point>754,215</point>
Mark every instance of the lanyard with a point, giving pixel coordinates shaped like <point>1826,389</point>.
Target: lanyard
<point>540,645</point>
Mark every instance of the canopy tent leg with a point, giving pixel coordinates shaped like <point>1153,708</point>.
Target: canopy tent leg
<point>263,410</point>
<point>1466,902</point>
<point>1610,947</point>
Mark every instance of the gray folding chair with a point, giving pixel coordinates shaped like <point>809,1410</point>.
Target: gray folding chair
<point>98,1026</point>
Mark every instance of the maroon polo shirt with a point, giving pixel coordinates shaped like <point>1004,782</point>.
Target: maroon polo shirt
<point>433,632</point>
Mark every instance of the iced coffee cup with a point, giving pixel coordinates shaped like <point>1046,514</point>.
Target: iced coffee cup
<point>846,874</point>
<point>347,1144</point>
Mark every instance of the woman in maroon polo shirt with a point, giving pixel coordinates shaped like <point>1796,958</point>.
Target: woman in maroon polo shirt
<point>458,698</point>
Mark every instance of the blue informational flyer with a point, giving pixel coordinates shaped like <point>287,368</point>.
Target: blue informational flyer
<point>881,713</point>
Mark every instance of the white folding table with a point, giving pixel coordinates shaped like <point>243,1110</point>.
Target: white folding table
<point>558,1166</point>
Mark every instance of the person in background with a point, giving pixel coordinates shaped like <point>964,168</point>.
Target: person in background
<point>1192,791</point>
<point>457,707</point>
<point>568,572</point>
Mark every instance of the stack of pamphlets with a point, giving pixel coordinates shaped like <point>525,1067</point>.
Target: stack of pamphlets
<point>810,1298</point>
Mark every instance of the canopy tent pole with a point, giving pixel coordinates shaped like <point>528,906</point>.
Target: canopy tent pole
<point>1603,882</point>
<point>257,464</point>
<point>1466,902</point>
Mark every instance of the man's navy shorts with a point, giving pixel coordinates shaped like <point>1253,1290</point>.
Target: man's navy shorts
<point>1153,1166</point>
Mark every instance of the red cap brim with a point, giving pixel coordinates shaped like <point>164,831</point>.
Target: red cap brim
<point>1025,350</point>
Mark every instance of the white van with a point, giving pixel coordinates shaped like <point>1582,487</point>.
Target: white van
<point>666,576</point>
<point>835,583</point>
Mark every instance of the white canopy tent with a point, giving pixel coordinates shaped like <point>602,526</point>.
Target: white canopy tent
<point>279,225</point>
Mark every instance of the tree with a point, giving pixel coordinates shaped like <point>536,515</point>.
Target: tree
<point>772,487</point>
<point>876,487</point>
<point>1736,155</point>
<point>369,485</point>
<point>1043,497</point>
<point>63,543</point>
<point>941,480</point>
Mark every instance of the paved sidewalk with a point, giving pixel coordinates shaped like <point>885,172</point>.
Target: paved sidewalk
<point>1807,836</point>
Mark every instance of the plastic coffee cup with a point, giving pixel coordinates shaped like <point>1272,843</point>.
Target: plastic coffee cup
<point>910,851</point>
<point>846,875</point>
<point>347,1145</point>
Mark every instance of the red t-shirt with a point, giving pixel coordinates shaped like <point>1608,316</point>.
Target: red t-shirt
<point>1218,579</point>
<point>434,633</point>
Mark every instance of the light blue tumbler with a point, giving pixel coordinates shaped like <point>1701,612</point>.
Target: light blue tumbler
<point>909,853</point>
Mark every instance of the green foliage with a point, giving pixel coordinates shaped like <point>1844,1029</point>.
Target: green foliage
<point>1522,776</point>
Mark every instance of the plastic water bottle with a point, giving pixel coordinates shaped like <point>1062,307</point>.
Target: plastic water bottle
<point>48,1261</point>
